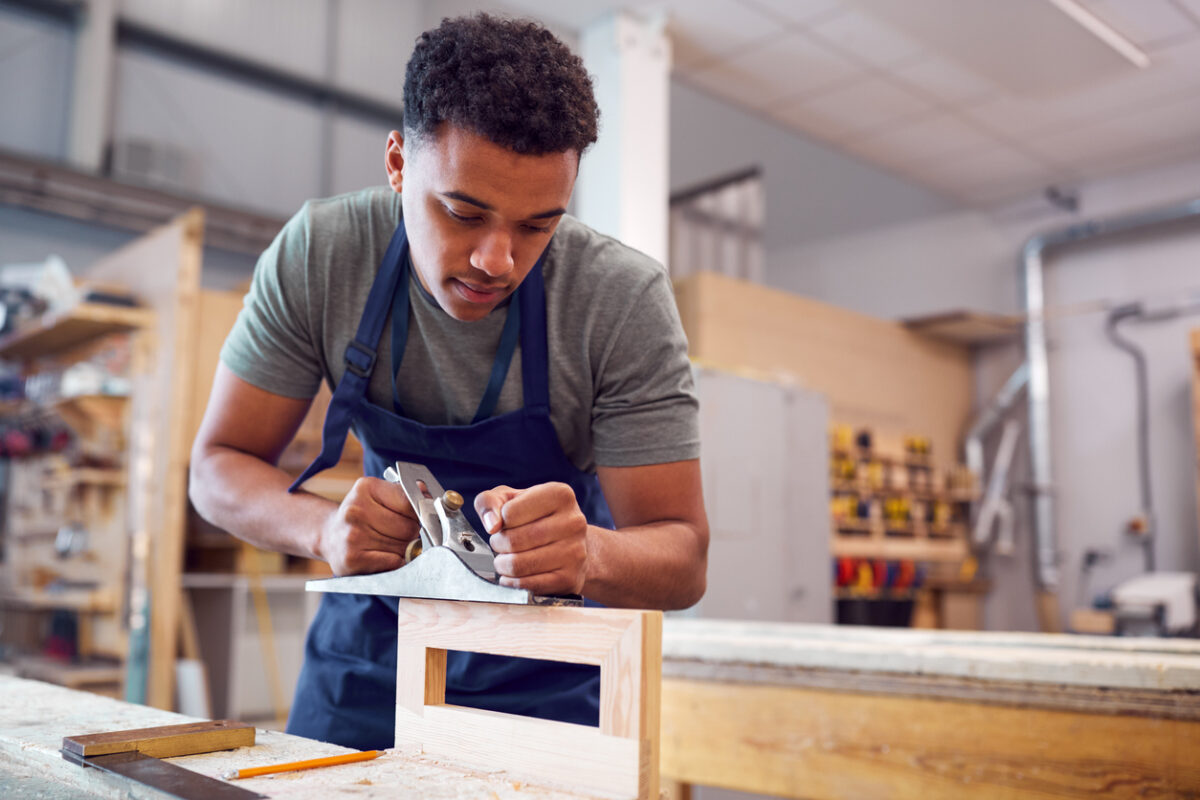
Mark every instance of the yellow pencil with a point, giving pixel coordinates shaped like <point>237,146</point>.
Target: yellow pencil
<point>328,761</point>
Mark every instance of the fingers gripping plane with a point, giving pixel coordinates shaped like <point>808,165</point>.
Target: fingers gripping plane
<point>450,560</point>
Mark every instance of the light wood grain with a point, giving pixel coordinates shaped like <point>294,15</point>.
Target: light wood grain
<point>166,741</point>
<point>37,715</point>
<point>618,757</point>
<point>424,684</point>
<point>829,745</point>
<point>1158,665</point>
<point>1061,697</point>
<point>572,756</point>
<point>899,548</point>
<point>54,332</point>
<point>1195,340</point>
<point>829,712</point>
<point>218,312</point>
<point>574,635</point>
<point>968,327</point>
<point>875,372</point>
<point>165,267</point>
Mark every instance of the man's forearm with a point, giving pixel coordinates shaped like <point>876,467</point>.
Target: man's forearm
<point>659,565</point>
<point>248,497</point>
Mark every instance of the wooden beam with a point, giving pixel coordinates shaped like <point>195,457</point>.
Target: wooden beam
<point>164,266</point>
<point>54,188</point>
<point>1161,666</point>
<point>826,745</point>
<point>830,712</point>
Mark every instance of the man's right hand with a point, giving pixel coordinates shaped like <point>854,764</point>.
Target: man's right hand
<point>236,485</point>
<point>369,530</point>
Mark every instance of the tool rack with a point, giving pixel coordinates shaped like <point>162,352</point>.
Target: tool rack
<point>67,522</point>
<point>896,517</point>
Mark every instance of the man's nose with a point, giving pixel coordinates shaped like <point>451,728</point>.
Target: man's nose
<point>493,254</point>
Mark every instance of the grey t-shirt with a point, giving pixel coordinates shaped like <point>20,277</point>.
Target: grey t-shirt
<point>621,390</point>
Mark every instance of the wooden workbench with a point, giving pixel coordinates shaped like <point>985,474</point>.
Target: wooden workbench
<point>793,710</point>
<point>827,712</point>
<point>35,716</point>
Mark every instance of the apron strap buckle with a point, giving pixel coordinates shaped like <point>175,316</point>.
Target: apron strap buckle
<point>360,359</point>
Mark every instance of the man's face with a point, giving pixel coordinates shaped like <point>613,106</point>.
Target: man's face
<point>478,216</point>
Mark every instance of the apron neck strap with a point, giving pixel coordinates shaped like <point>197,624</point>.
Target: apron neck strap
<point>535,371</point>
<point>360,361</point>
<point>525,323</point>
<point>361,351</point>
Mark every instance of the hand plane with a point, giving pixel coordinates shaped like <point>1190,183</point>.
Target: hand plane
<point>450,560</point>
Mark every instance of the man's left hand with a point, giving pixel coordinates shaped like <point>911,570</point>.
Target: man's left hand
<point>539,535</point>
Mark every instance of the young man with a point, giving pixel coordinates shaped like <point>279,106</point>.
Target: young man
<point>462,279</point>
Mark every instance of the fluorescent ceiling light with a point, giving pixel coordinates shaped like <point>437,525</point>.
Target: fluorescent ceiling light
<point>1104,32</point>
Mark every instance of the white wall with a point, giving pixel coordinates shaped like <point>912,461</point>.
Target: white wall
<point>35,81</point>
<point>360,45</point>
<point>243,144</point>
<point>249,144</point>
<point>970,260</point>
<point>812,191</point>
<point>957,259</point>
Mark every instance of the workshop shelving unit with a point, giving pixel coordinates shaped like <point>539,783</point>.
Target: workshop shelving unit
<point>917,538</point>
<point>139,445</point>
<point>139,610</point>
<point>67,520</point>
<point>899,527</point>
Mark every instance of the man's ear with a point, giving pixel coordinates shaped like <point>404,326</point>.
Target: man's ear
<point>394,160</point>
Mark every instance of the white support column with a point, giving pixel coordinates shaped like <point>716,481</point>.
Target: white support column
<point>91,93</point>
<point>623,187</point>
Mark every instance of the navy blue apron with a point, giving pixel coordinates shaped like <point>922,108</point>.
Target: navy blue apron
<point>347,687</point>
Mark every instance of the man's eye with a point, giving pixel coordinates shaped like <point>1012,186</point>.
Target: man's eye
<point>460,217</point>
<point>537,228</point>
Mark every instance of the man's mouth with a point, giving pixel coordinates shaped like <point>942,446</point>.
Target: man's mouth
<point>478,292</point>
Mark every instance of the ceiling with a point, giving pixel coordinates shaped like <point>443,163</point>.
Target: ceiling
<point>983,101</point>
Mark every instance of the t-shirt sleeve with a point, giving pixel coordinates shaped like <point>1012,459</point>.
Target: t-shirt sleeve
<point>645,410</point>
<point>271,344</point>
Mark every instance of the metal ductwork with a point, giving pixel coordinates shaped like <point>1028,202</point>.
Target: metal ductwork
<point>1033,256</point>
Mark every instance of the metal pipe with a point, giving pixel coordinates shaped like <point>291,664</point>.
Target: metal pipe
<point>1115,317</point>
<point>1038,394</point>
<point>992,505</point>
<point>1137,312</point>
<point>992,414</point>
<point>1033,296</point>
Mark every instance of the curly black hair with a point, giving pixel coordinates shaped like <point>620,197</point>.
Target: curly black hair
<point>511,81</point>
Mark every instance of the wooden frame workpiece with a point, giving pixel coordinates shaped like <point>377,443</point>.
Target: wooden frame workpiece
<point>619,757</point>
